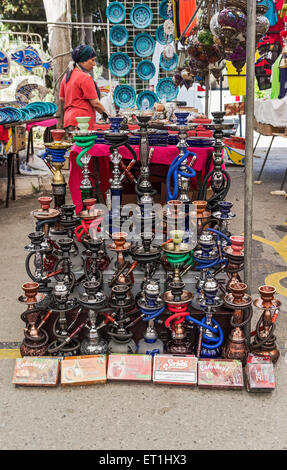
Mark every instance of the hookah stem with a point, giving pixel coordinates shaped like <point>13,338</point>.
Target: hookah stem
<point>54,273</point>
<point>199,344</point>
<point>75,319</point>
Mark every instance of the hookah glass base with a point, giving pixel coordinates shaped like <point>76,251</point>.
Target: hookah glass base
<point>122,347</point>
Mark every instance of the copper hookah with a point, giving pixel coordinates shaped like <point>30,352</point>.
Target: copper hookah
<point>238,301</point>
<point>36,339</point>
<point>202,215</point>
<point>54,158</point>
<point>66,343</point>
<point>177,301</point>
<point>123,305</point>
<point>264,343</point>
<point>124,269</point>
<point>45,216</point>
<point>94,300</point>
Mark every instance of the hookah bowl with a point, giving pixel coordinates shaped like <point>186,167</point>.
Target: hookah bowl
<point>239,301</point>
<point>178,254</point>
<point>93,299</point>
<point>121,339</point>
<point>264,343</point>
<point>35,338</point>
<point>202,215</point>
<point>65,344</point>
<point>235,256</point>
<point>45,215</point>
<point>177,301</point>
<point>152,306</point>
<point>224,216</point>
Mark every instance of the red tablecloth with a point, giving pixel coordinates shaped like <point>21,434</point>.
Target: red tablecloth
<point>161,155</point>
<point>46,123</point>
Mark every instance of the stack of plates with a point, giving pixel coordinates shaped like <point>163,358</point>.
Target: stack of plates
<point>31,111</point>
<point>172,139</point>
<point>100,138</point>
<point>158,140</point>
<point>200,142</point>
<point>134,139</point>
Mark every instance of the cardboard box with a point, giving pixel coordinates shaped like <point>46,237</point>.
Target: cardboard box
<point>221,374</point>
<point>130,367</point>
<point>175,370</point>
<point>36,371</point>
<point>84,370</point>
<point>260,377</point>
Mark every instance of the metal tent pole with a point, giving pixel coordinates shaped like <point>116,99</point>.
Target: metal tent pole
<point>248,201</point>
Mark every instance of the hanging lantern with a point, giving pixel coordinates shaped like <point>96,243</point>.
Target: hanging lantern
<point>262,6</point>
<point>233,18</point>
<point>205,37</point>
<point>262,26</point>
<point>242,4</point>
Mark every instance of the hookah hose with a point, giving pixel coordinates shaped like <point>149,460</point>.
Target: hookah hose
<point>148,315</point>
<point>212,203</point>
<point>86,226</point>
<point>41,223</point>
<point>174,171</point>
<point>53,349</point>
<point>206,264</point>
<point>86,143</point>
<point>274,319</point>
<point>271,338</point>
<point>186,258</point>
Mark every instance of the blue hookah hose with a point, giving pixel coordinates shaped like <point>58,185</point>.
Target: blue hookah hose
<point>218,331</point>
<point>220,235</point>
<point>151,315</point>
<point>174,171</point>
<point>58,155</point>
<point>202,264</point>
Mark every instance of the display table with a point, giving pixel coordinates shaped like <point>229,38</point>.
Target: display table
<point>161,155</point>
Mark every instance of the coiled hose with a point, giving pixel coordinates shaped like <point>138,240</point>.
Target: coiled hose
<point>212,203</point>
<point>151,315</point>
<point>174,171</point>
<point>186,258</point>
<point>206,264</point>
<point>86,143</point>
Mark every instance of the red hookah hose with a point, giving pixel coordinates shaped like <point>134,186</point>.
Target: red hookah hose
<point>85,226</point>
<point>179,313</point>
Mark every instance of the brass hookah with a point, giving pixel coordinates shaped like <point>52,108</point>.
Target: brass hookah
<point>264,343</point>
<point>36,339</point>
<point>54,158</point>
<point>202,215</point>
<point>238,301</point>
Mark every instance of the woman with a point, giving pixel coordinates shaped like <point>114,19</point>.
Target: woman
<point>78,91</point>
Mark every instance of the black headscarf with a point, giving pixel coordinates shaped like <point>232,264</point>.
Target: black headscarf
<point>82,53</point>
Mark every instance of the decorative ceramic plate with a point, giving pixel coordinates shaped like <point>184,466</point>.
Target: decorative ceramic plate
<point>163,9</point>
<point>120,64</point>
<point>168,64</point>
<point>145,70</point>
<point>13,114</point>
<point>147,95</point>
<point>124,96</point>
<point>141,16</point>
<point>161,37</point>
<point>116,12</point>
<point>166,89</point>
<point>119,35</point>
<point>143,45</point>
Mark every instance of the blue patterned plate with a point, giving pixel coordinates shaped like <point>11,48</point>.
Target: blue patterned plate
<point>168,64</point>
<point>149,97</point>
<point>3,117</point>
<point>166,89</point>
<point>124,96</point>
<point>119,35</point>
<point>161,37</point>
<point>141,16</point>
<point>120,64</point>
<point>13,114</point>
<point>145,70</point>
<point>143,45</point>
<point>163,9</point>
<point>116,12</point>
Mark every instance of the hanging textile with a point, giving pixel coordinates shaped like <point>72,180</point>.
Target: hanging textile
<point>173,5</point>
<point>269,51</point>
<point>279,24</point>
<point>237,84</point>
<point>275,89</point>
<point>283,83</point>
<point>272,13</point>
<point>186,10</point>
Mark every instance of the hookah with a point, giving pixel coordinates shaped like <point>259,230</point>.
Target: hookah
<point>65,344</point>
<point>177,300</point>
<point>151,306</point>
<point>144,189</point>
<point>178,255</point>
<point>179,170</point>
<point>120,246</point>
<point>209,255</point>
<point>93,299</point>
<point>121,338</point>
<point>54,158</point>
<point>220,179</point>
<point>92,264</point>
<point>69,222</point>
<point>41,254</point>
<point>63,266</point>
<point>86,140</point>
<point>235,257</point>
<point>35,338</point>
<point>264,343</point>
<point>239,301</point>
<point>45,216</point>
<point>90,220</point>
<point>202,215</point>
<point>223,216</point>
